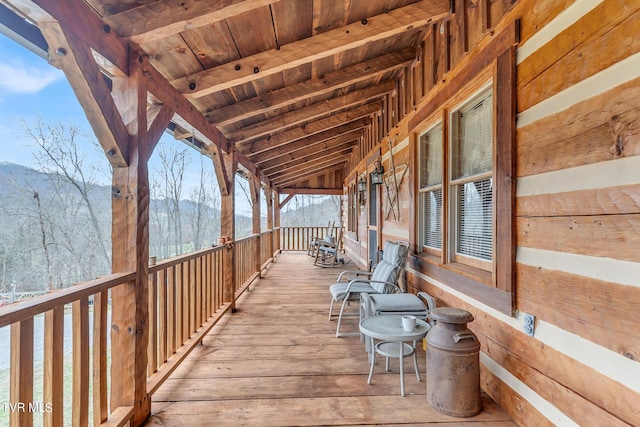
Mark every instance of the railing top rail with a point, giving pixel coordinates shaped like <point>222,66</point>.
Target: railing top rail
<point>170,262</point>
<point>26,309</point>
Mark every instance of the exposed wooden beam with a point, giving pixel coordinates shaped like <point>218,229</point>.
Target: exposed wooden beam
<point>158,118</point>
<point>311,112</point>
<point>310,88</point>
<point>315,139</point>
<point>311,49</point>
<point>311,150</point>
<point>285,201</point>
<point>309,168</point>
<point>225,166</point>
<point>77,16</point>
<point>283,138</point>
<point>156,20</point>
<point>80,68</point>
<point>315,173</point>
<point>191,117</point>
<point>312,191</point>
<point>340,151</point>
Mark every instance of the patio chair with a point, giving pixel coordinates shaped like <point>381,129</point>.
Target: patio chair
<point>382,280</point>
<point>327,252</point>
<point>314,242</point>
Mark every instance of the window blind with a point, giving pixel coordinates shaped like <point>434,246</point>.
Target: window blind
<point>431,157</point>
<point>475,221</point>
<point>473,142</point>
<point>432,218</point>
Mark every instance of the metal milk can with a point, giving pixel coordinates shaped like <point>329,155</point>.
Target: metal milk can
<point>453,364</point>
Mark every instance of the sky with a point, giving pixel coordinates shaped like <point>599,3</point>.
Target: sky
<point>31,89</point>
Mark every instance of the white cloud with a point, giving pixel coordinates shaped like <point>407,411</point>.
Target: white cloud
<point>20,78</point>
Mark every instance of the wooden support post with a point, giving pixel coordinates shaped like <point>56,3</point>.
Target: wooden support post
<point>225,166</point>
<point>269,197</point>
<point>276,222</point>
<point>255,200</point>
<point>130,245</point>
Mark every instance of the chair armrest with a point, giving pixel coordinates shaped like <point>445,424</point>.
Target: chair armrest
<point>395,287</point>
<point>355,272</point>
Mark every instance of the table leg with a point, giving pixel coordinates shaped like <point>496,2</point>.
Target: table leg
<point>402,369</point>
<point>372,358</point>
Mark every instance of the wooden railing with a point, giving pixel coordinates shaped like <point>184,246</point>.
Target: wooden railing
<point>185,302</point>
<point>298,238</point>
<point>88,362</point>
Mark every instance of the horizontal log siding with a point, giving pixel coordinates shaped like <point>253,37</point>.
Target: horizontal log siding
<point>589,212</point>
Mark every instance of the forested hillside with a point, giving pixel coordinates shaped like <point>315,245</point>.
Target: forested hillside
<point>55,230</point>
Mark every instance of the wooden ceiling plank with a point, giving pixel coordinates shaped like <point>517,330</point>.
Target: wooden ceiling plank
<point>308,168</point>
<point>312,191</point>
<point>80,20</point>
<point>286,137</point>
<point>311,174</point>
<point>339,151</point>
<point>155,20</point>
<point>311,49</point>
<point>315,139</point>
<point>328,144</point>
<point>312,171</point>
<point>328,83</point>
<point>312,112</point>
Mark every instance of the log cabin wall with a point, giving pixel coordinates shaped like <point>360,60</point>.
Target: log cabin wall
<point>576,208</point>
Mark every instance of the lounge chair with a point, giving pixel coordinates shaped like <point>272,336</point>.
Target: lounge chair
<point>382,280</point>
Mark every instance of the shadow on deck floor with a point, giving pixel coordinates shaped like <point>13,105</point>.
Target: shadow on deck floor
<point>276,362</point>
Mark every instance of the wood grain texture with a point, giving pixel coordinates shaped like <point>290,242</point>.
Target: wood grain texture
<point>599,311</point>
<point>580,51</point>
<point>590,389</point>
<point>605,127</point>
<point>293,372</point>
<point>597,235</point>
<point>308,50</point>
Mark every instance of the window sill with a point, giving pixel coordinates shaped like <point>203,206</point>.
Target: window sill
<point>473,282</point>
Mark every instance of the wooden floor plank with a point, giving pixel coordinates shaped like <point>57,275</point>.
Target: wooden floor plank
<point>276,362</point>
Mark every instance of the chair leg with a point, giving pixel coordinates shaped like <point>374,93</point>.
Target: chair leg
<point>331,308</point>
<point>344,303</point>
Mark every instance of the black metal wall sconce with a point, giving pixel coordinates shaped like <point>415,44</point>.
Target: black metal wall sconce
<point>377,175</point>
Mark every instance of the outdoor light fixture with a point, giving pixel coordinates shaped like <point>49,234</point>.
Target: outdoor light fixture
<point>362,185</point>
<point>377,175</point>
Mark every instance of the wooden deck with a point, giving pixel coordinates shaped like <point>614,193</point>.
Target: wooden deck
<point>276,362</point>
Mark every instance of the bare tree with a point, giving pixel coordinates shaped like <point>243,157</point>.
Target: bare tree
<point>174,162</point>
<point>60,157</point>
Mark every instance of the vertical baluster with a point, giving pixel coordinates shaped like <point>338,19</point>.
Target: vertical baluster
<point>199,287</point>
<point>192,296</point>
<point>21,387</point>
<point>100,351</point>
<point>179,310</point>
<point>185,302</point>
<point>152,346</point>
<point>53,383</point>
<point>80,393</point>
<point>162,316</point>
<point>171,311</point>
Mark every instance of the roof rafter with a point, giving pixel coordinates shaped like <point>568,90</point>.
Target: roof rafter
<point>311,112</point>
<point>339,150</point>
<point>312,149</point>
<point>310,88</point>
<point>156,20</point>
<point>286,137</point>
<point>311,174</point>
<point>314,139</point>
<point>307,50</point>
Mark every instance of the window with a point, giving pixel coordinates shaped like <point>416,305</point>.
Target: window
<point>431,173</point>
<point>465,190</point>
<point>352,202</point>
<point>456,201</point>
<point>471,189</point>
